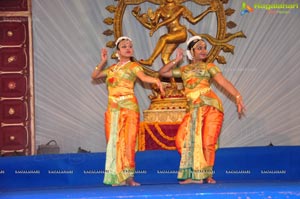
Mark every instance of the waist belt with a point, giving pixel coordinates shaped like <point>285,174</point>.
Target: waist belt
<point>195,94</point>
<point>120,98</point>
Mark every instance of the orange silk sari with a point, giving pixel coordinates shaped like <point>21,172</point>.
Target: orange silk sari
<point>199,131</point>
<point>121,123</point>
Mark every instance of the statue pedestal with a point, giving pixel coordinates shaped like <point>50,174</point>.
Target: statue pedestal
<point>163,116</point>
<point>160,125</point>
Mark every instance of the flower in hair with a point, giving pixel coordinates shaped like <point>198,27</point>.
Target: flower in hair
<point>122,38</point>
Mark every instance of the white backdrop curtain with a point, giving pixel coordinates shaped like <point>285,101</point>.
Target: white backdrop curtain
<point>69,108</point>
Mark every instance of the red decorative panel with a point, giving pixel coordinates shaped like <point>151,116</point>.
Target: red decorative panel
<point>11,32</point>
<point>16,91</point>
<point>13,5</point>
<point>13,85</point>
<point>13,59</point>
<point>157,136</point>
<point>13,138</point>
<point>13,111</point>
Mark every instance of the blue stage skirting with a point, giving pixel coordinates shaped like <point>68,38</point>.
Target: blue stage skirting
<point>152,167</point>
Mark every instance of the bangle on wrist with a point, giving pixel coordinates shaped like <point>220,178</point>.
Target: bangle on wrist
<point>174,62</point>
<point>97,68</point>
<point>238,99</point>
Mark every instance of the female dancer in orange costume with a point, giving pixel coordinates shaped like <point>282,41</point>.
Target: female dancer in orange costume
<point>199,131</point>
<point>122,116</point>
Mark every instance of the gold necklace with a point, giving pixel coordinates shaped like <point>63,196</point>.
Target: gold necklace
<point>119,66</point>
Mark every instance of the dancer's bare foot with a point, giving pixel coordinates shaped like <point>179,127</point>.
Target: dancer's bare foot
<point>130,182</point>
<point>120,184</point>
<point>210,180</point>
<point>187,181</point>
<point>190,181</point>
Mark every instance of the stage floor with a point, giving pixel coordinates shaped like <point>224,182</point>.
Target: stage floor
<point>224,190</point>
<point>242,173</point>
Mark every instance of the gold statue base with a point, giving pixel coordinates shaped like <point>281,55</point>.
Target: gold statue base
<point>172,115</point>
<point>169,108</point>
<point>166,110</point>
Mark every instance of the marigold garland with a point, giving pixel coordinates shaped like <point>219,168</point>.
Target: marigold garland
<point>162,145</point>
<point>161,133</point>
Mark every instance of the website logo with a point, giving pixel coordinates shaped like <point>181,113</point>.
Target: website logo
<point>277,8</point>
<point>246,9</point>
<point>271,8</point>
